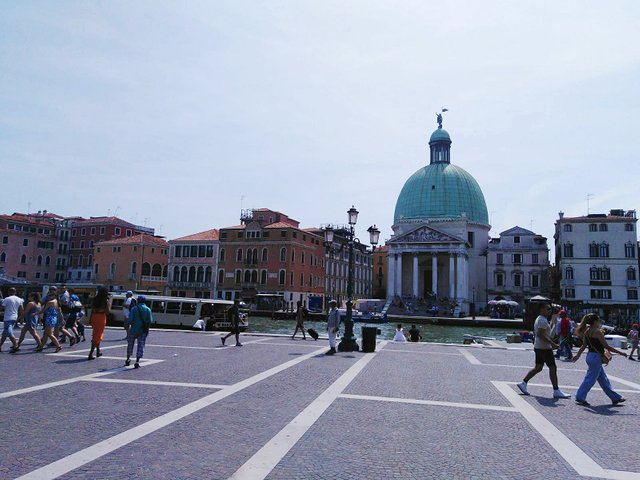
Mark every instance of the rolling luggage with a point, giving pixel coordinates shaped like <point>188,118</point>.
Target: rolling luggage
<point>313,333</point>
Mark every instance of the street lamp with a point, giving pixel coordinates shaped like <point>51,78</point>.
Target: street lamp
<point>348,342</point>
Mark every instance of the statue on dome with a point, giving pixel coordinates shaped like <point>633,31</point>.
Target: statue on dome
<point>439,117</point>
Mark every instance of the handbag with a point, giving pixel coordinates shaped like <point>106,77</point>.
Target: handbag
<point>605,357</point>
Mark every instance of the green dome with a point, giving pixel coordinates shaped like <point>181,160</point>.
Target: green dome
<point>441,190</point>
<point>439,135</point>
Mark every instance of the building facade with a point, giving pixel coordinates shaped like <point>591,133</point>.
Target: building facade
<point>137,262</point>
<point>518,264</point>
<point>193,263</point>
<point>597,260</point>
<point>380,256</point>
<point>31,248</point>
<point>441,232</point>
<point>268,253</point>
<point>86,234</point>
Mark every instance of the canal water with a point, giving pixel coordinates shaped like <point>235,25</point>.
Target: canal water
<point>430,333</point>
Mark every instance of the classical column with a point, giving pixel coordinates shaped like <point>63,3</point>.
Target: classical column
<point>399,275</point>
<point>434,274</point>
<point>391,275</point>
<point>460,276</point>
<point>452,278</point>
<point>415,276</point>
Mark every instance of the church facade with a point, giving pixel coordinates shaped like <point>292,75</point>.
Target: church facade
<point>438,249</point>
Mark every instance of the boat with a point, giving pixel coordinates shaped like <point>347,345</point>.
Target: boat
<point>469,339</point>
<point>183,312</point>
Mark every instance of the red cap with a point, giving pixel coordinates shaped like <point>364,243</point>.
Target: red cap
<point>562,312</point>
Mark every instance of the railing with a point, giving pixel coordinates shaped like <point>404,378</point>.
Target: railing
<point>187,284</point>
<point>149,278</point>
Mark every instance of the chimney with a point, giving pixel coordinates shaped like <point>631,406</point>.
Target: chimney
<point>561,215</point>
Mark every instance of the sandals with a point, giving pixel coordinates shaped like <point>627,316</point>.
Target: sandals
<point>58,348</point>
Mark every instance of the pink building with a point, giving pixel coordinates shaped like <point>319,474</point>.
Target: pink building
<point>193,261</point>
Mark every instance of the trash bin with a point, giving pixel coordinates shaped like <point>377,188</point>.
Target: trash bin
<point>369,339</point>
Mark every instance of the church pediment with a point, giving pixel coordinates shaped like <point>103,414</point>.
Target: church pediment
<point>425,234</point>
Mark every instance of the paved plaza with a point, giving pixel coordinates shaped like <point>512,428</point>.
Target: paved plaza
<point>278,408</point>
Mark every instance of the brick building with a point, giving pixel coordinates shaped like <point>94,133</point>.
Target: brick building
<point>193,263</point>
<point>86,233</point>
<point>137,262</point>
<point>269,253</point>
<point>30,247</point>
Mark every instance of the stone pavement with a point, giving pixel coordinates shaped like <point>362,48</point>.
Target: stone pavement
<point>281,409</point>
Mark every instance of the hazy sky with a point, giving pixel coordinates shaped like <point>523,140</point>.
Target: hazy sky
<point>170,112</point>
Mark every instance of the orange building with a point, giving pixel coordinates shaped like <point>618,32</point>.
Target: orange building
<point>137,263</point>
<point>380,272</point>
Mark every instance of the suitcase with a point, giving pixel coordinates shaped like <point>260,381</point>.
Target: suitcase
<point>313,333</point>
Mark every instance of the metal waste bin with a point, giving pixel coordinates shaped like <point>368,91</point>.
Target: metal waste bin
<point>369,339</point>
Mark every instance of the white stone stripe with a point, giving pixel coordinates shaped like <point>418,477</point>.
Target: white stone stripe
<point>89,454</point>
<point>265,459</point>
<point>469,356</point>
<point>67,381</point>
<point>67,351</point>
<point>582,463</point>
<point>397,350</point>
<point>571,387</point>
<point>153,382</point>
<point>414,401</point>
<point>298,344</point>
<point>624,382</point>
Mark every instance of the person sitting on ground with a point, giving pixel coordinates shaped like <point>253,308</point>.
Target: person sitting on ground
<point>400,335</point>
<point>414,334</point>
<point>199,325</point>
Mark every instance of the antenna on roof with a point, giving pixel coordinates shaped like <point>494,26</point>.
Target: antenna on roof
<point>115,212</point>
<point>589,195</point>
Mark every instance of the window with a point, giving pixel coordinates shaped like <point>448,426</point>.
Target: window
<point>517,258</point>
<point>47,260</point>
<point>632,294</point>
<point>594,251</point>
<point>293,255</point>
<point>281,277</point>
<point>5,240</point>
<point>604,250</point>
<point>177,251</point>
<point>81,243</point>
<point>534,258</point>
<point>129,232</point>
<point>593,227</point>
<point>283,254</point>
<point>602,273</point>
<point>291,279</point>
<point>222,254</point>
<point>568,228</point>
<point>568,273</point>
<point>146,269</point>
<point>239,255</point>
<point>283,233</point>
<point>25,242</point>
<point>603,227</point>
<point>265,254</point>
<point>631,273</point>
<point>39,261</point>
<point>194,251</point>
<point>93,230</point>
<point>516,239</point>
<point>238,276</point>
<point>499,259</point>
<point>629,250</point>
<point>102,230</point>
<point>302,258</point>
<point>517,279</point>
<point>240,234</point>
<point>118,231</point>
<point>220,277</point>
<point>301,279</point>
<point>263,277</point>
<point>628,227</point>
<point>83,232</point>
<point>499,279</point>
<point>535,281</point>
<point>202,251</point>
<point>209,251</point>
<point>471,238</point>
<point>601,293</point>
<point>23,259</point>
<point>569,293</point>
<point>3,257</point>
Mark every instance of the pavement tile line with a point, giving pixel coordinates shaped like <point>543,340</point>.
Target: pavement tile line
<point>469,356</point>
<point>45,386</point>
<point>571,387</point>
<point>414,401</point>
<point>395,350</point>
<point>582,463</point>
<point>266,459</point>
<point>100,449</point>
<point>155,382</point>
<point>624,382</point>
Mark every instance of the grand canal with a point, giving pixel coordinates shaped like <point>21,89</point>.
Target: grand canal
<point>430,333</point>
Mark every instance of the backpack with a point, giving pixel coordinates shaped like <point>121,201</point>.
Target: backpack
<point>633,335</point>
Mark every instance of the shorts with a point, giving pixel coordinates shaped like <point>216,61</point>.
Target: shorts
<point>70,322</point>
<point>545,356</point>
<point>7,331</point>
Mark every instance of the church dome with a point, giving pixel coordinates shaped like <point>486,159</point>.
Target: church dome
<point>441,190</point>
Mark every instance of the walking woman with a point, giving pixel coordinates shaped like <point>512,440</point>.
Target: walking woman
<point>52,316</point>
<point>31,313</point>
<point>299,321</point>
<point>593,339</point>
<point>100,307</point>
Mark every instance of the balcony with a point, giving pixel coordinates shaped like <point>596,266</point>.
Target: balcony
<point>149,278</point>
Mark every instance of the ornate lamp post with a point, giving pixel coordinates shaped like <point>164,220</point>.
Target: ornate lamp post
<point>348,342</point>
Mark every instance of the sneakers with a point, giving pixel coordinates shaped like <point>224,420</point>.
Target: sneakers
<point>222,339</point>
<point>583,403</point>
<point>523,387</point>
<point>136,365</point>
<point>560,394</point>
<point>238,344</point>
<point>620,400</point>
<point>127,363</point>
<point>332,351</point>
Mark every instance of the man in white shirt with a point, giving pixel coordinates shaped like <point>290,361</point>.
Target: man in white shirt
<point>129,303</point>
<point>13,310</point>
<point>543,347</point>
<point>333,325</point>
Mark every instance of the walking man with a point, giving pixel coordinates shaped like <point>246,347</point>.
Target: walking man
<point>565,336</point>
<point>233,314</point>
<point>140,319</point>
<point>543,347</point>
<point>333,325</point>
<point>300,313</point>
<point>13,309</point>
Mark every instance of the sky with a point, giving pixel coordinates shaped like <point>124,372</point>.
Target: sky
<point>176,115</point>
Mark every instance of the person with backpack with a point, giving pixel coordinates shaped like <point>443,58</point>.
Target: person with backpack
<point>139,322</point>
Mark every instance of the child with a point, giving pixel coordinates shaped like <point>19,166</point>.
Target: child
<point>633,340</point>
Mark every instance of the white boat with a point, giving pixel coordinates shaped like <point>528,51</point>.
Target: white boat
<point>182,312</point>
<point>469,339</point>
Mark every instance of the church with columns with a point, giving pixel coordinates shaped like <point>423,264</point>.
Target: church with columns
<point>438,249</point>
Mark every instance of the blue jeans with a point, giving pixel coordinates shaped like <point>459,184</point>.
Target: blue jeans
<point>595,372</point>
<point>565,348</point>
